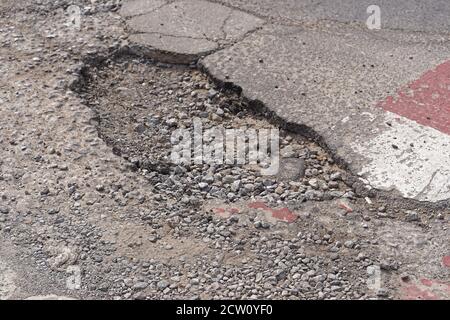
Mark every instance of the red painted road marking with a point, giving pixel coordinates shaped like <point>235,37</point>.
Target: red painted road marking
<point>426,100</point>
<point>413,292</point>
<point>427,282</point>
<point>446,261</point>
<point>426,289</point>
<point>345,206</point>
<point>225,213</point>
<point>283,214</point>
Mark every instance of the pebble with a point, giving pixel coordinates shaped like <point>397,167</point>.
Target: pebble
<point>4,210</point>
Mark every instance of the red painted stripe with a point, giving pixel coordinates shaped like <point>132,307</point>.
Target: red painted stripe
<point>426,100</point>
<point>446,261</point>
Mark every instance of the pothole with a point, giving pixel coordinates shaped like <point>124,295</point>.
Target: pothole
<point>140,105</point>
<point>234,208</point>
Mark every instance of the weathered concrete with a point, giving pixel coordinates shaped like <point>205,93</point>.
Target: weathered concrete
<point>184,30</point>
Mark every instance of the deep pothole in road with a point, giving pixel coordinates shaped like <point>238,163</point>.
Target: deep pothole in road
<point>140,105</point>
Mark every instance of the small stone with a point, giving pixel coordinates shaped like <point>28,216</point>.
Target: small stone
<point>172,122</point>
<point>163,284</point>
<point>4,210</point>
<point>228,179</point>
<point>249,187</point>
<point>53,211</point>
<point>280,275</point>
<point>208,179</point>
<point>97,259</point>
<point>279,190</point>
<point>103,287</point>
<point>349,244</point>
<point>405,277</point>
<point>335,176</point>
<point>212,93</point>
<point>203,185</point>
<point>388,265</point>
<point>140,128</point>
<point>140,286</point>
<point>314,183</point>
<point>334,256</point>
<point>382,293</point>
<point>236,185</point>
<point>210,229</point>
<point>291,169</point>
<point>287,152</point>
<point>411,216</point>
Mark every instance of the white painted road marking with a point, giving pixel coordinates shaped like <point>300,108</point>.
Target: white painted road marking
<point>410,157</point>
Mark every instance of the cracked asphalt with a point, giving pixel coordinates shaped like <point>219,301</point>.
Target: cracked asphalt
<point>319,67</point>
<point>91,208</point>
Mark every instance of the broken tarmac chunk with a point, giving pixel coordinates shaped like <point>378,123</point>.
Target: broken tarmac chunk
<point>291,169</point>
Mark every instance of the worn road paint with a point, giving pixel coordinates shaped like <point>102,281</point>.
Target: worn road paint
<point>426,289</point>
<point>426,100</point>
<point>409,157</point>
<point>225,212</point>
<point>412,153</point>
<point>344,205</point>
<point>283,214</point>
<point>272,215</point>
<point>446,261</point>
